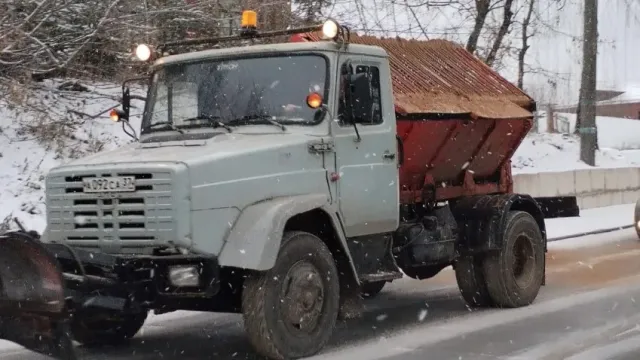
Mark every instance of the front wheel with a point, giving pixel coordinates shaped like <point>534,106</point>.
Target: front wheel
<point>290,311</point>
<point>515,274</point>
<point>107,331</point>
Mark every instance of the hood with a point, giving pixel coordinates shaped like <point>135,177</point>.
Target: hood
<point>194,151</point>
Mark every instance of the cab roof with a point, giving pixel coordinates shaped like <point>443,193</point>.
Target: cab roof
<point>264,48</point>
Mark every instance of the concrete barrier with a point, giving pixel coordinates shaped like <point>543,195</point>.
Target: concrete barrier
<point>593,187</point>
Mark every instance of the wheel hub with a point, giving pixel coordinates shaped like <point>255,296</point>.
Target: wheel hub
<point>302,297</point>
<point>523,261</point>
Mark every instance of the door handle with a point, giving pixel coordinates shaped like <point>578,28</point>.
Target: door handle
<point>388,156</point>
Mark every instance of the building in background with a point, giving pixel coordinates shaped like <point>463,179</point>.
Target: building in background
<point>613,103</point>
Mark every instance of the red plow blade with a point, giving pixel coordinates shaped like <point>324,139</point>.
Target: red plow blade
<point>32,297</point>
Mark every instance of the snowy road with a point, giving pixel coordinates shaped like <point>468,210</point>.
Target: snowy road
<point>587,310</point>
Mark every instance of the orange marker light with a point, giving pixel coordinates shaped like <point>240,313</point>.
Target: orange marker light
<point>249,19</point>
<point>314,100</point>
<point>113,115</point>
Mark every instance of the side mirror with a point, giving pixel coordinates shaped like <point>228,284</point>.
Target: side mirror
<point>361,97</point>
<point>126,102</point>
<point>122,115</point>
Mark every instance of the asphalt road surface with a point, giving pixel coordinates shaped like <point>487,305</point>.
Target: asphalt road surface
<point>588,310</point>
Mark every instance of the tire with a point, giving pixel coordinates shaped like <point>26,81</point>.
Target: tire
<point>471,282</point>
<point>370,290</point>
<point>515,274</point>
<point>269,300</point>
<point>636,219</point>
<point>90,332</point>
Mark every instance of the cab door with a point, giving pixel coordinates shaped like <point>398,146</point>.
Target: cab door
<point>366,154</point>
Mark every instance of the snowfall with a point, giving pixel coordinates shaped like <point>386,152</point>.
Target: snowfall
<point>25,159</point>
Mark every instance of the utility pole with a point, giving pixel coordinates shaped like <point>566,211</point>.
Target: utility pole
<point>587,104</point>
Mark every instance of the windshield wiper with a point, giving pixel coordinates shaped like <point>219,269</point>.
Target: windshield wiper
<point>213,120</point>
<point>166,124</point>
<point>258,119</point>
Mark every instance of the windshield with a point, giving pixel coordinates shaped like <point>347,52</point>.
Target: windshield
<point>237,91</point>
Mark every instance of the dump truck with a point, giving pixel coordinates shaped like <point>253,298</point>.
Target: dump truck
<point>285,180</point>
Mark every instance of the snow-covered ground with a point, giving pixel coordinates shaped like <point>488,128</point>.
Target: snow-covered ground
<point>25,157</point>
<point>540,152</point>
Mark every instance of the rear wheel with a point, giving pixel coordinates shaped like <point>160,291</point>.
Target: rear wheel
<point>515,274</point>
<point>636,219</point>
<point>290,311</point>
<point>105,330</point>
<point>372,289</point>
<point>471,282</point>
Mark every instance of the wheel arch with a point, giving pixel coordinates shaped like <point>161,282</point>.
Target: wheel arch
<point>269,220</point>
<point>481,219</point>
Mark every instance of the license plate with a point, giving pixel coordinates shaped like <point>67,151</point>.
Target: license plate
<point>109,184</point>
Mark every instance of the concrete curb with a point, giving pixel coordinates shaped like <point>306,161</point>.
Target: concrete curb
<point>594,232</point>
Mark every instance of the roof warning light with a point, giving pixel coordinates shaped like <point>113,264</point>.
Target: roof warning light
<point>249,19</point>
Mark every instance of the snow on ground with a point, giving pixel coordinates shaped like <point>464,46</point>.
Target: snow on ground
<point>619,141</point>
<point>542,152</point>
<point>24,160</point>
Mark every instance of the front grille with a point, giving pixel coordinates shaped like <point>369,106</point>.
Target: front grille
<point>126,219</point>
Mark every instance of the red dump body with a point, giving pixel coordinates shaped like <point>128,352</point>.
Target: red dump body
<point>459,121</point>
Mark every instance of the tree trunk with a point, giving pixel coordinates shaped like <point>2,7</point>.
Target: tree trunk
<point>578,114</point>
<point>482,8</point>
<point>507,19</point>
<point>525,43</point>
<point>588,130</point>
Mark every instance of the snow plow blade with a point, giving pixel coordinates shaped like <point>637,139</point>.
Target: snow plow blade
<point>32,297</point>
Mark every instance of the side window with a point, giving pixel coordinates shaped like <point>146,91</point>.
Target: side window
<point>374,73</point>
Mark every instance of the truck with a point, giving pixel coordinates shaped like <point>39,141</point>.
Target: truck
<point>284,180</point>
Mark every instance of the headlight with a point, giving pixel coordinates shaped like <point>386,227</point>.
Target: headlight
<point>184,276</point>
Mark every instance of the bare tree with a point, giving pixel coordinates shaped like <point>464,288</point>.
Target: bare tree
<point>526,34</point>
<point>57,38</point>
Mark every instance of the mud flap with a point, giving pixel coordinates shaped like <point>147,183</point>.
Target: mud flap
<point>558,206</point>
<point>32,297</point>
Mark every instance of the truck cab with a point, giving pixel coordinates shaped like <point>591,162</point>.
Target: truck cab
<point>227,129</point>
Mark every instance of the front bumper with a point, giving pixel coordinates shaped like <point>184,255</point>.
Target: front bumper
<point>99,281</point>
